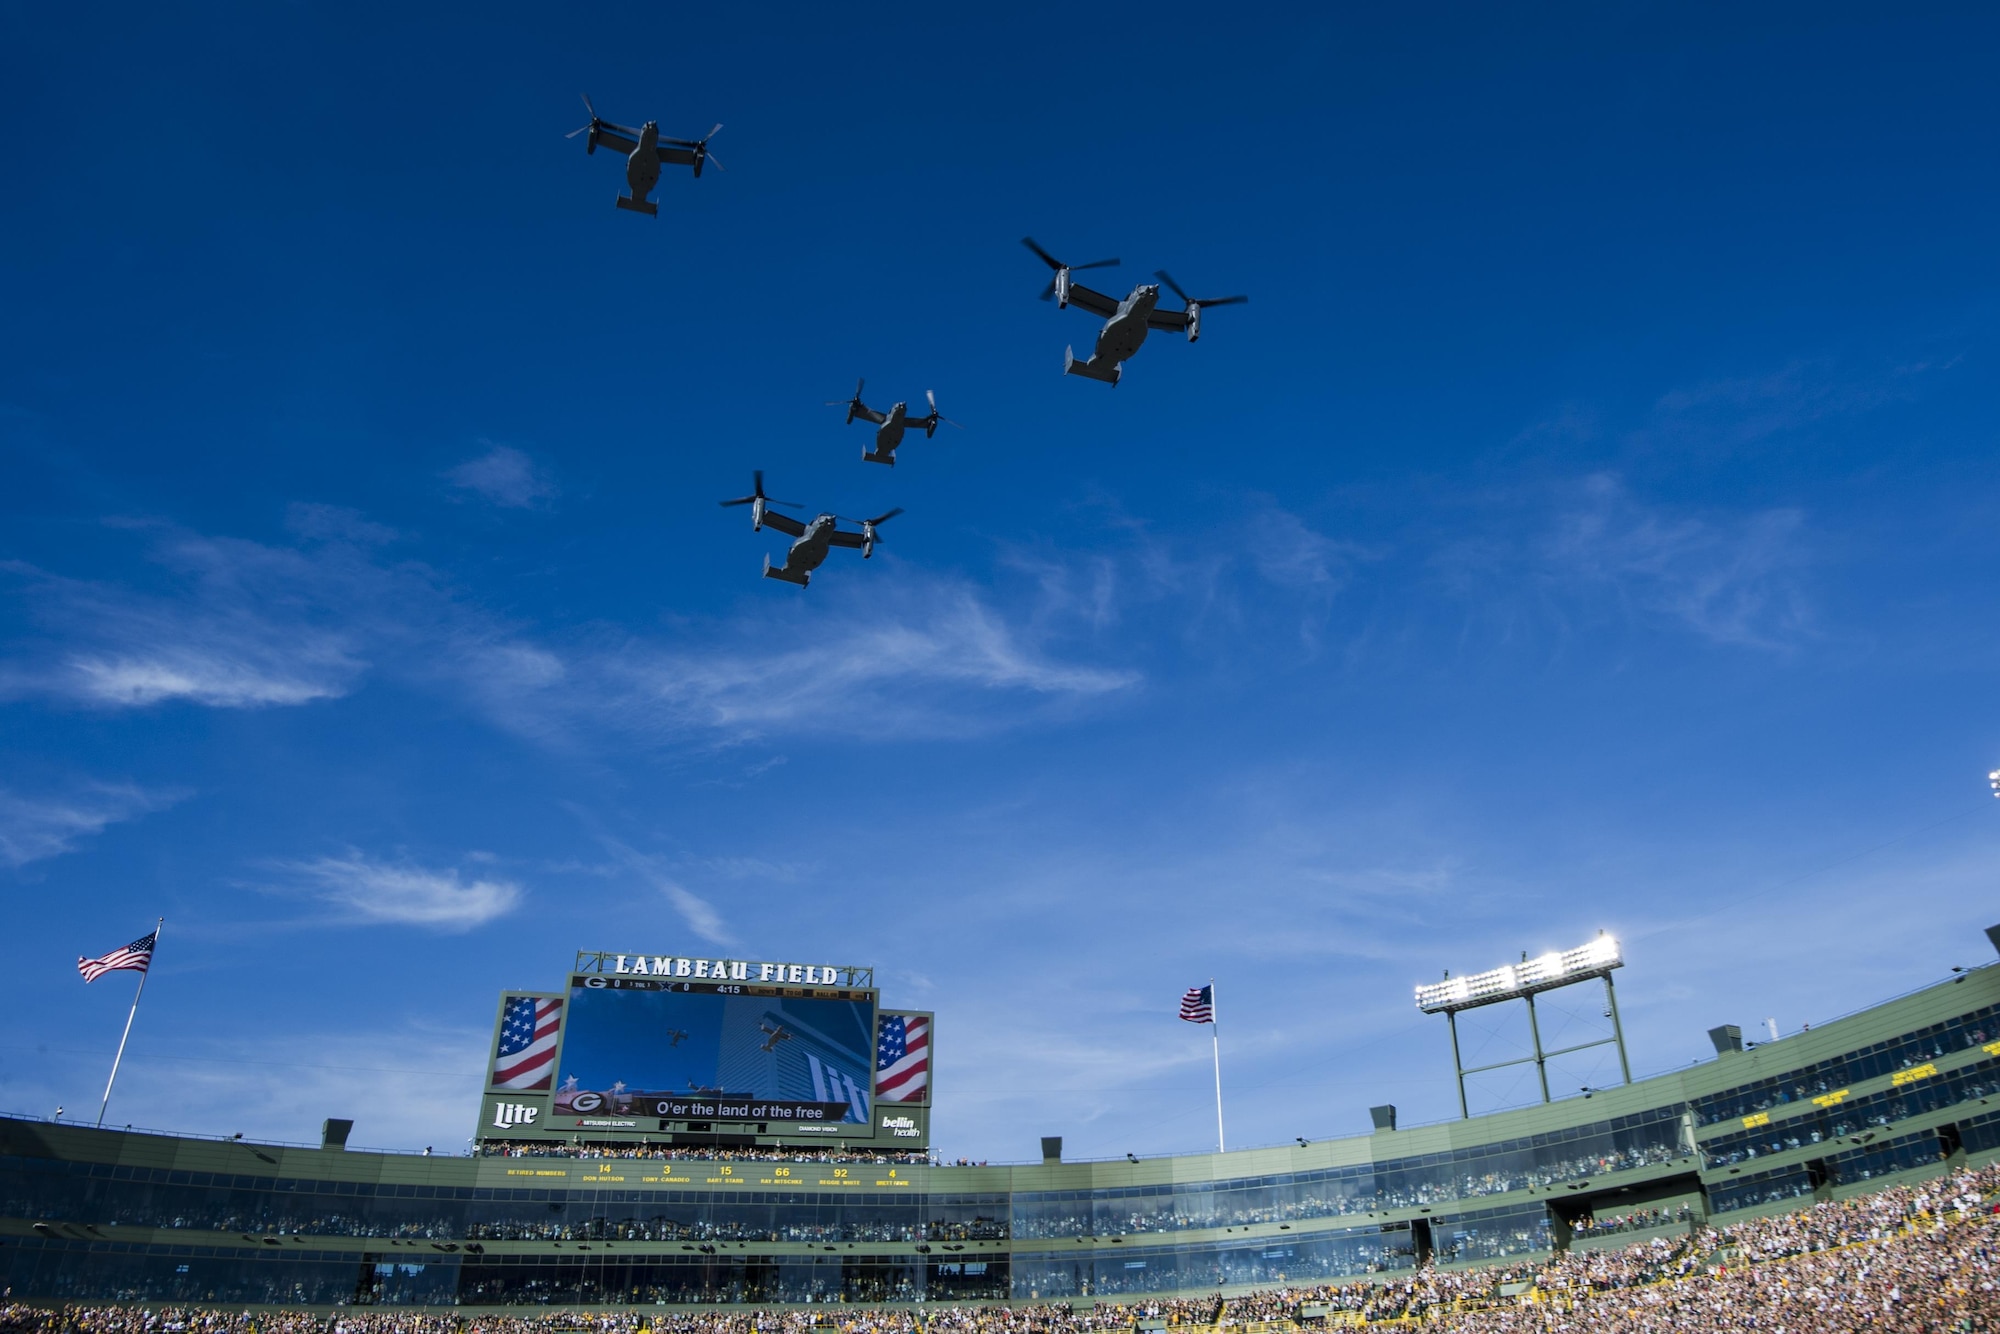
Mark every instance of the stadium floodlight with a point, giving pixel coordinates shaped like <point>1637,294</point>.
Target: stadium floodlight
<point>1993,781</point>
<point>1516,980</point>
<point>1523,981</point>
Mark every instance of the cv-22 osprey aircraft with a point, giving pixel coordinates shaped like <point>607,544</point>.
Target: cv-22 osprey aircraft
<point>1127,322</point>
<point>814,539</point>
<point>890,425</point>
<point>644,155</point>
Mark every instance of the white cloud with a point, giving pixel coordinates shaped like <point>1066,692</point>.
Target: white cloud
<point>179,672</point>
<point>368,891</point>
<point>240,624</point>
<point>898,670</point>
<point>1733,578</point>
<point>505,476</point>
<point>243,624</point>
<point>34,828</point>
<point>700,916</point>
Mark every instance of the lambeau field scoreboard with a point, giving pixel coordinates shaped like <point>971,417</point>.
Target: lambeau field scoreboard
<point>674,1049</point>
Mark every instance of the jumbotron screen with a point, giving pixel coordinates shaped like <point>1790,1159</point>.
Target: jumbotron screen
<point>717,1051</point>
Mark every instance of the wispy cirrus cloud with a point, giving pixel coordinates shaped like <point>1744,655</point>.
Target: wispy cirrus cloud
<point>1260,572</point>
<point>240,624</point>
<point>504,476</point>
<point>234,624</point>
<point>365,891</point>
<point>913,664</point>
<point>1734,578</point>
<point>35,828</point>
<point>1593,550</point>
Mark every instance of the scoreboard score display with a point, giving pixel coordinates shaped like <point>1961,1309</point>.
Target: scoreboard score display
<point>631,1052</point>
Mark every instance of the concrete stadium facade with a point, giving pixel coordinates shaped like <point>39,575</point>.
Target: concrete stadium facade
<point>1896,1092</point>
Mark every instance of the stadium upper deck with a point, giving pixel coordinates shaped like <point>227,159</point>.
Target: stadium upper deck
<point>1899,1090</point>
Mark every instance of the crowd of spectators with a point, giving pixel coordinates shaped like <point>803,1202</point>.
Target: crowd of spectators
<point>1639,1220</point>
<point>1913,1258</point>
<point>1363,1194</point>
<point>763,1153</point>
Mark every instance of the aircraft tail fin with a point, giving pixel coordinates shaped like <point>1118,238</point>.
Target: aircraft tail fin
<point>771,571</point>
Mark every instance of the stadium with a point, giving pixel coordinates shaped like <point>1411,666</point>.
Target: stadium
<point>758,1176</point>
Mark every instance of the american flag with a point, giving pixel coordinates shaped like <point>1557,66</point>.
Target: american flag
<point>138,957</point>
<point>903,1058</point>
<point>526,1058</point>
<point>1198,1006</point>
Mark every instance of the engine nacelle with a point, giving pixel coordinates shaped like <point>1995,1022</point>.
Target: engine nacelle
<point>867,547</point>
<point>757,515</point>
<point>1194,321</point>
<point>1062,289</point>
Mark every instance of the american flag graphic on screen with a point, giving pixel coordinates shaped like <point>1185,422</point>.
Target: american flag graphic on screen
<point>903,1058</point>
<point>526,1056</point>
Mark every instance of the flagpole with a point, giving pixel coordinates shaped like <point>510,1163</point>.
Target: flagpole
<point>1215,1034</point>
<point>135,1011</point>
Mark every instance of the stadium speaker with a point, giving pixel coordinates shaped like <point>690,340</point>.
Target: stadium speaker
<point>1727,1038</point>
<point>1993,934</point>
<point>1384,1116</point>
<point>1052,1148</point>
<point>333,1133</point>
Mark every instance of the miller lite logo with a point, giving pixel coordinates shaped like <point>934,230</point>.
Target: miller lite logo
<point>509,1114</point>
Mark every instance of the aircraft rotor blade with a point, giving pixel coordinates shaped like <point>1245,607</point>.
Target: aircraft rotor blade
<point>1047,258</point>
<point>882,519</point>
<point>587,106</point>
<point>712,160</point>
<point>757,493</point>
<point>692,143</point>
<point>1049,292</point>
<point>1168,279</point>
<point>1222,301</point>
<point>585,129</point>
<point>1096,264</point>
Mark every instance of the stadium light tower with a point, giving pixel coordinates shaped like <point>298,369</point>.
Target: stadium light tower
<point>1523,981</point>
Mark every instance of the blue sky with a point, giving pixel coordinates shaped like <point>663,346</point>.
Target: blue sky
<point>1588,524</point>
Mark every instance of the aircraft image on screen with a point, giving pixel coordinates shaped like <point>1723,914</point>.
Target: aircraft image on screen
<point>653,1052</point>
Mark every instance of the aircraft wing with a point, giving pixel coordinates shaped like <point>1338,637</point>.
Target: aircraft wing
<point>679,157</point>
<point>607,137</point>
<point>1176,320</point>
<point>1095,302</point>
<point>784,523</point>
<point>870,415</point>
<point>840,539</point>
